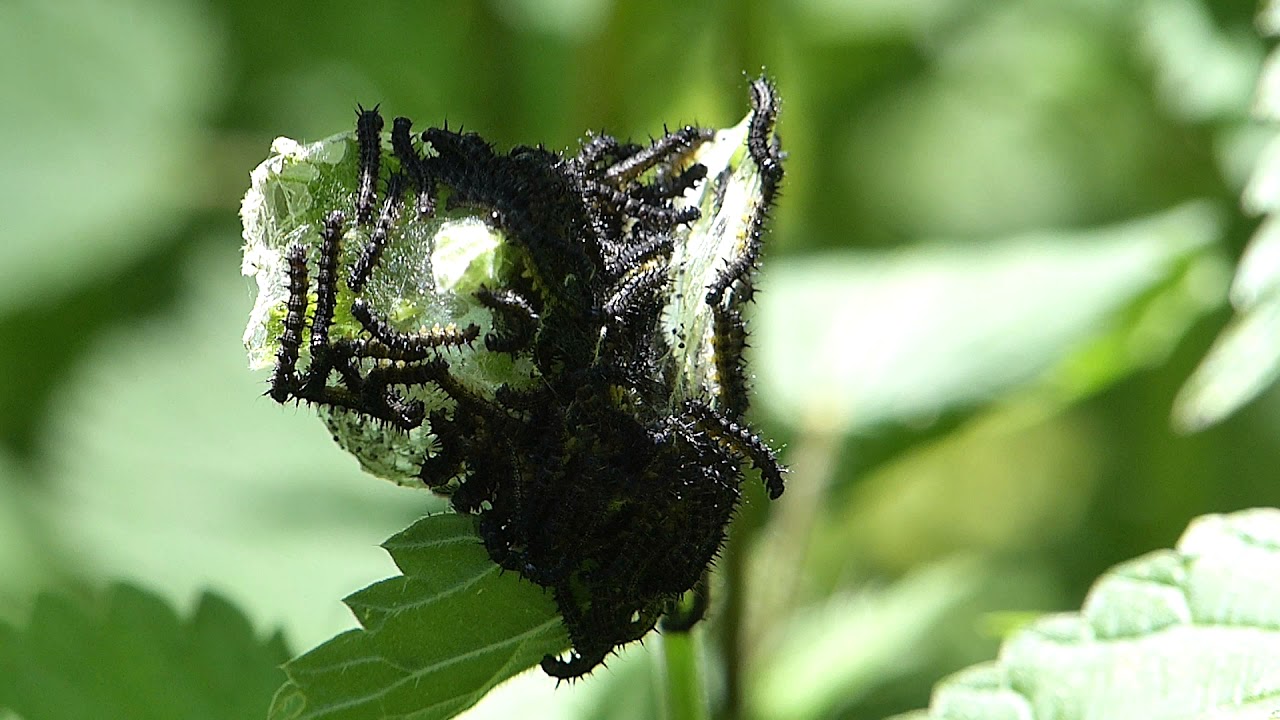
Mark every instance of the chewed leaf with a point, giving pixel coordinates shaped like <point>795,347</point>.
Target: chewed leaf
<point>433,265</point>
<point>434,640</point>
<point>728,200</point>
<point>552,341</point>
<point>1191,633</point>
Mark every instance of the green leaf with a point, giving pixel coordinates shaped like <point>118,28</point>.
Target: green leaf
<point>162,464</point>
<point>435,639</point>
<point>855,340</point>
<point>1243,362</point>
<point>1245,359</point>
<point>810,671</point>
<point>1202,72</point>
<point>23,567</point>
<point>105,100</point>
<point>1191,633</point>
<point>128,656</point>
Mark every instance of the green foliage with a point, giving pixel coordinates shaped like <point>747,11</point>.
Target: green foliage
<point>1066,312</point>
<point>1006,433</point>
<point>435,639</point>
<point>811,672</point>
<point>127,656</point>
<point>1188,633</point>
<point>125,189</point>
<point>1246,357</point>
<point>144,484</point>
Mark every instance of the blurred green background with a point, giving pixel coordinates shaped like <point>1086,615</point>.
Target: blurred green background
<point>1003,244</point>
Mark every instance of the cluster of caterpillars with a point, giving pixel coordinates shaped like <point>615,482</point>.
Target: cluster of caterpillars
<point>594,483</point>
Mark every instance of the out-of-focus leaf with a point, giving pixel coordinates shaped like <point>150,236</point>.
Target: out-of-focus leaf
<point>571,19</point>
<point>1202,73</point>
<point>103,101</point>
<point>1269,17</point>
<point>130,657</point>
<point>1013,478</point>
<point>435,639</point>
<point>1245,359</point>
<point>166,466</point>
<point>23,569</point>
<point>836,21</point>
<point>856,340</point>
<point>839,650</point>
<point>1242,363</point>
<point>1191,633</point>
<point>980,145</point>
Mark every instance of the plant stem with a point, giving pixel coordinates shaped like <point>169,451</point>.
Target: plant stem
<point>733,569</point>
<point>686,694</point>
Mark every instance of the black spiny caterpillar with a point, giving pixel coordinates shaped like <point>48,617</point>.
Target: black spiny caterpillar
<point>609,474</point>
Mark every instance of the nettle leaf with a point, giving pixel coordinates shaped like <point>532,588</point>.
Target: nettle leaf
<point>1245,359</point>
<point>129,656</point>
<point>1191,633</point>
<point>435,639</point>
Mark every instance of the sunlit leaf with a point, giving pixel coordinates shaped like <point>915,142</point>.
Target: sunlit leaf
<point>858,339</point>
<point>1245,359</point>
<point>1191,633</point>
<point>129,656</point>
<point>1242,363</point>
<point>435,639</point>
<point>1203,73</point>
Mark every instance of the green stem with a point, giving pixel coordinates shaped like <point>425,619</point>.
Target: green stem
<point>686,695</point>
<point>732,567</point>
